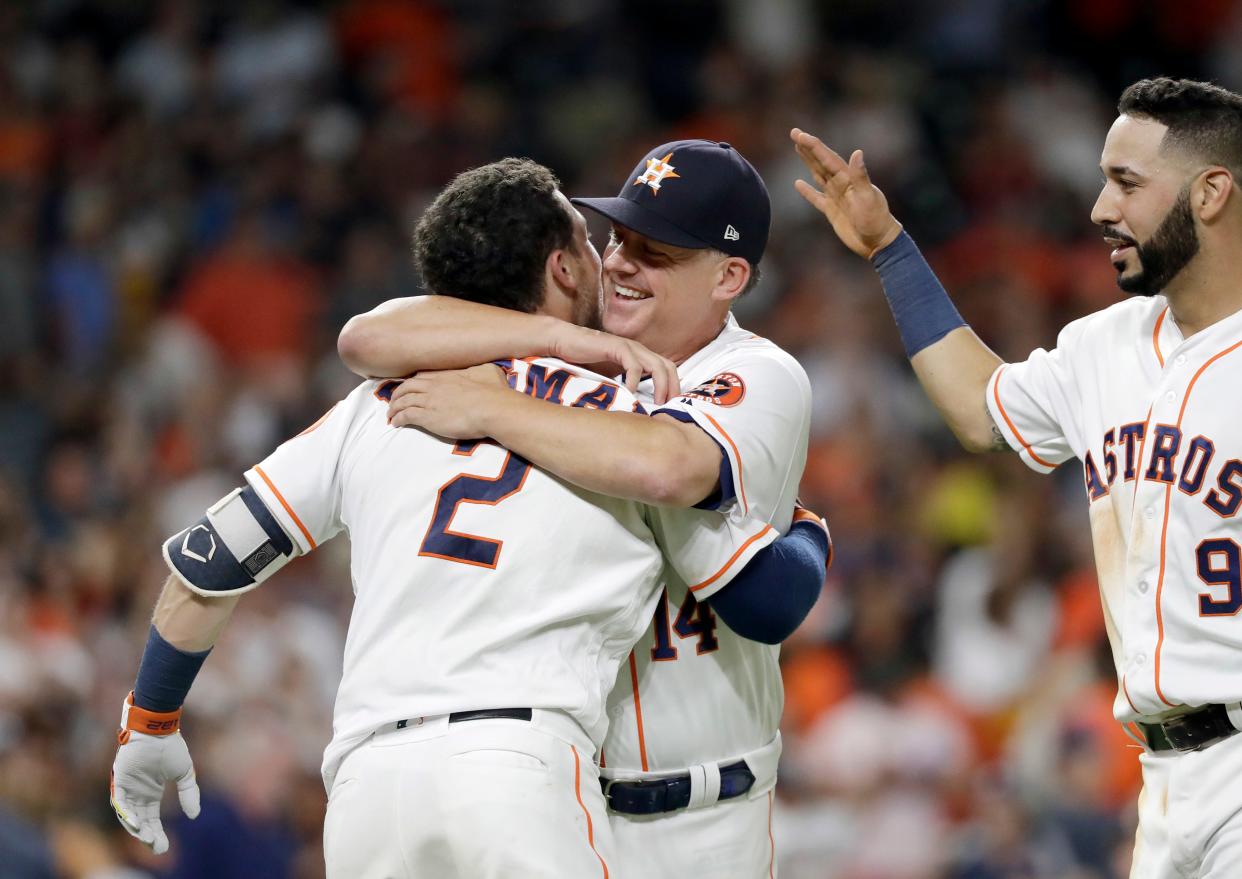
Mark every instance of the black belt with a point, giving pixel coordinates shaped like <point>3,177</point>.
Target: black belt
<point>482,714</point>
<point>1190,732</point>
<point>654,795</point>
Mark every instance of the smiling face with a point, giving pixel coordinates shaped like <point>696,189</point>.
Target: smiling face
<point>668,298</point>
<point>1144,207</point>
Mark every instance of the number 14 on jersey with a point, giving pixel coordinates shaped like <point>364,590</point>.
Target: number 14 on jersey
<point>693,619</point>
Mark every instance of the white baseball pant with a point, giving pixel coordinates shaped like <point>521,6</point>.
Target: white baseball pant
<point>482,799</point>
<point>730,840</point>
<point>1190,814</point>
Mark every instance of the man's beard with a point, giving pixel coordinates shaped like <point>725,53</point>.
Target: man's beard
<point>588,311</point>
<point>1174,244</point>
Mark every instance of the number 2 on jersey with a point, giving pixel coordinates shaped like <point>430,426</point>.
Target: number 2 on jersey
<point>471,549</point>
<point>692,619</point>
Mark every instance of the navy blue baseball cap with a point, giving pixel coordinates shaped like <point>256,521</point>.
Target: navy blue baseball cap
<point>695,194</point>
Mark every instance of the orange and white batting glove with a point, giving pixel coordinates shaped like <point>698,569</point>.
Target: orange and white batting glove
<point>150,753</point>
<point>803,514</point>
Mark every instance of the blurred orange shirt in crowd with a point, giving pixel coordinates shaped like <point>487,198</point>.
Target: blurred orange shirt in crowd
<point>816,678</point>
<point>409,45</point>
<point>1080,616</point>
<point>24,148</point>
<point>253,305</point>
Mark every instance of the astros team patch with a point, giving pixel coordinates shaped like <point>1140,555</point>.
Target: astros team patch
<point>726,389</point>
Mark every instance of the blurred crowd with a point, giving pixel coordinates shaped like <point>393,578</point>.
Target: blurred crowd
<point>195,196</point>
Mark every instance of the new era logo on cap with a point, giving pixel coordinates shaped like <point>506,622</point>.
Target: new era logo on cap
<point>680,192</point>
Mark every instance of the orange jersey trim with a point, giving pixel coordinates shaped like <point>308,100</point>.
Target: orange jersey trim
<point>322,418</point>
<point>1026,447</point>
<point>771,841</point>
<point>741,485</point>
<point>1164,530</point>
<point>590,825</point>
<point>733,558</point>
<point>288,509</point>
<point>1126,691</point>
<point>638,713</point>
<point>1155,336</point>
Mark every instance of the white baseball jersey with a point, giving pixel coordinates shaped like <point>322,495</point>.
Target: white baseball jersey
<point>692,691</point>
<point>479,581</point>
<point>1151,415</point>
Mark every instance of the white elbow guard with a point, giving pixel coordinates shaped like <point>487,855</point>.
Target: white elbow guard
<point>236,546</point>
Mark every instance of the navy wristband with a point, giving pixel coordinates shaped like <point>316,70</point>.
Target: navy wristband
<point>921,307</point>
<point>165,674</point>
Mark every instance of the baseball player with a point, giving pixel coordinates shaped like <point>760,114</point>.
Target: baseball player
<point>691,755</point>
<point>1142,394</point>
<point>493,602</point>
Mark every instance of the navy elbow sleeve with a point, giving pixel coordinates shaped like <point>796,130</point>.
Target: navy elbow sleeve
<point>771,597</point>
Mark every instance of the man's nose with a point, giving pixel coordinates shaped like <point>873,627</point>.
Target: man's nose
<point>1104,212</point>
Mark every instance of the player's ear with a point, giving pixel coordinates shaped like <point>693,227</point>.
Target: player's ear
<point>732,275</point>
<point>1211,192</point>
<point>559,269</point>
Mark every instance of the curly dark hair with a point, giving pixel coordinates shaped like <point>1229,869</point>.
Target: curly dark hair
<point>487,236</point>
<point>1203,119</point>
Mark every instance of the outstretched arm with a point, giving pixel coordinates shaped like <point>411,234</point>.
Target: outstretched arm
<point>951,362</point>
<point>403,336</point>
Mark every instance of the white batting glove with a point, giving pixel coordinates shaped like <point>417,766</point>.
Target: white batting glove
<point>150,753</point>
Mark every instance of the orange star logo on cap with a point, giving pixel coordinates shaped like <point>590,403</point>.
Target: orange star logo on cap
<point>658,170</point>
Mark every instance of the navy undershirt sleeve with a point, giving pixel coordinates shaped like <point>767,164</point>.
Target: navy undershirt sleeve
<point>771,597</point>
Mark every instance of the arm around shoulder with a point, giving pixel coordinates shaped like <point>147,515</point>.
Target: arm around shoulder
<point>624,454</point>
<point>402,336</point>
<point>656,460</point>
